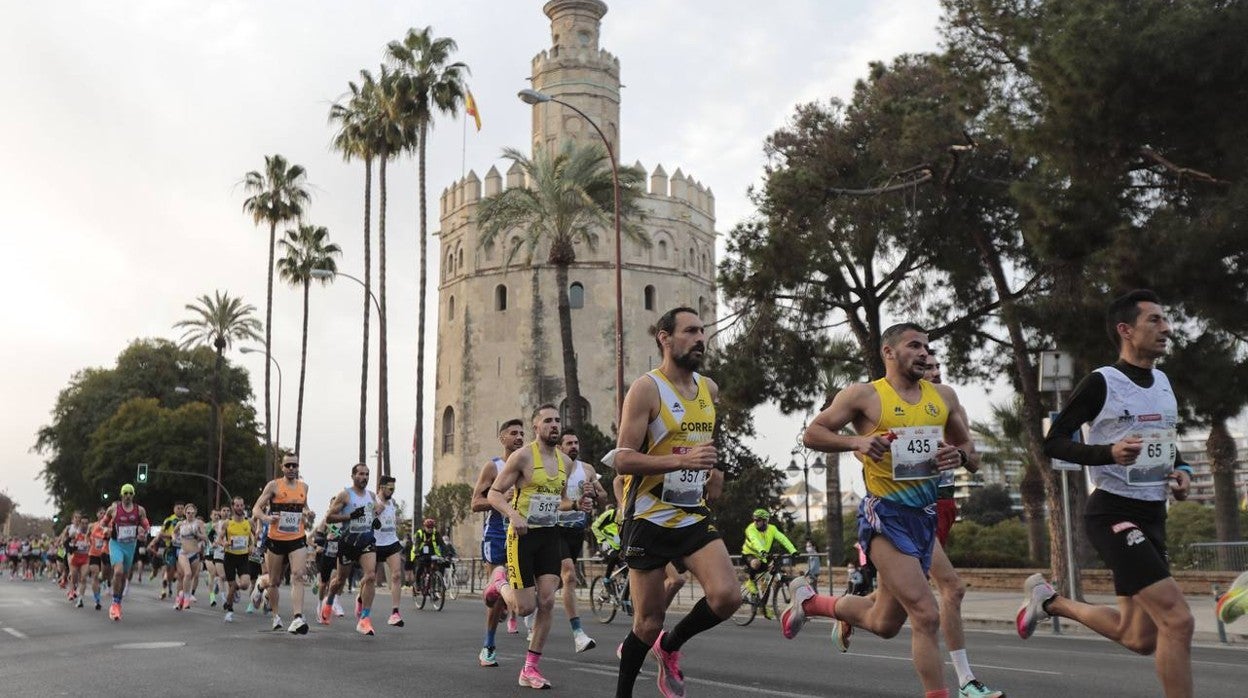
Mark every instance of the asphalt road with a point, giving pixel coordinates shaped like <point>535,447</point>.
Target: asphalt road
<point>48,648</point>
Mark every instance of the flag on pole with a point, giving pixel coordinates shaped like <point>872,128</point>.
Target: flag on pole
<point>470,106</point>
<point>1243,503</point>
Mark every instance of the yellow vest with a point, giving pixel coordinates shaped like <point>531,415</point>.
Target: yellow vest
<point>897,415</point>
<point>675,499</point>
<point>236,532</point>
<point>538,501</point>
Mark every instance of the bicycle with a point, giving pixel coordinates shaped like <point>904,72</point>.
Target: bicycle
<point>773,588</point>
<point>430,585</point>
<point>453,579</point>
<point>610,594</point>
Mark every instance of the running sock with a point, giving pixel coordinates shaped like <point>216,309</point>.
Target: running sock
<point>395,610</point>
<point>963,666</point>
<point>575,622</point>
<point>117,599</point>
<point>531,659</point>
<point>329,599</point>
<point>938,693</point>
<point>489,639</point>
<point>701,618</point>
<point>820,605</point>
<point>366,613</point>
<point>632,656</point>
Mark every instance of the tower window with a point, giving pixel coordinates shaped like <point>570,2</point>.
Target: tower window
<point>448,430</point>
<point>576,295</point>
<point>450,307</point>
<point>500,297</point>
<point>662,250</point>
<point>459,259</point>
<point>647,298</point>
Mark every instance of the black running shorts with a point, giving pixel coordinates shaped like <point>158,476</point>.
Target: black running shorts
<point>538,552</point>
<point>1130,537</point>
<point>648,546</point>
<point>285,547</point>
<point>236,565</point>
<point>574,539</point>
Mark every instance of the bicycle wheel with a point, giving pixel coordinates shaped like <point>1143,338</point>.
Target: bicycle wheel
<point>780,597</point>
<point>749,607</point>
<point>601,600</point>
<point>420,590</point>
<point>438,592</point>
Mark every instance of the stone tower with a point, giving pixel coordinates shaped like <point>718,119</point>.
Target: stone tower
<point>498,353</point>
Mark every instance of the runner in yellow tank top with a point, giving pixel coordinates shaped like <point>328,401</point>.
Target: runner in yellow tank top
<point>903,447</point>
<point>666,456</point>
<point>535,548</point>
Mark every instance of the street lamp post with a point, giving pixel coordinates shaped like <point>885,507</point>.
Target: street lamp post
<point>534,97</point>
<point>805,469</point>
<point>324,274</point>
<point>217,436</point>
<point>278,440</point>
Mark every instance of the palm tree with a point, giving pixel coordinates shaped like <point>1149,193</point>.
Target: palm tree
<point>305,249</point>
<point>357,137</point>
<point>570,194</point>
<point>394,132</point>
<point>218,322</point>
<point>277,195</point>
<point>1005,437</point>
<point>436,86</point>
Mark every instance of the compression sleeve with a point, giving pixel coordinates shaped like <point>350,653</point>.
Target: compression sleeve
<point>1085,403</point>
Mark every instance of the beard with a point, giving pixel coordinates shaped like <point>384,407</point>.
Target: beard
<point>552,439</point>
<point>688,361</point>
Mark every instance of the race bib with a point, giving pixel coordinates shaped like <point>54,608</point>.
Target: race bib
<point>1156,459</point>
<point>126,534</point>
<point>684,488</point>
<point>239,542</point>
<point>331,548</point>
<point>914,452</point>
<point>572,519</point>
<point>946,479</point>
<point>81,546</point>
<point>543,509</point>
<point>387,521</point>
<point>425,550</point>
<point>288,521</point>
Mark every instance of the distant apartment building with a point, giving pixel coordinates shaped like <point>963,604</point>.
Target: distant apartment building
<point>1192,447</point>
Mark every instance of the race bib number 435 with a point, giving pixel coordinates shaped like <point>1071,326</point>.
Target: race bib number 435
<point>914,452</point>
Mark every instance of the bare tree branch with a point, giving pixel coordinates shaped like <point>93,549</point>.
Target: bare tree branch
<point>1179,171</point>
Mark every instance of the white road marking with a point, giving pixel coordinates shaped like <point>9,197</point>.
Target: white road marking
<point>705,682</point>
<point>981,666</point>
<point>16,633</point>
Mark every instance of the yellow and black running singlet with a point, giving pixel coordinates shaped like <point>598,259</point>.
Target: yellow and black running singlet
<point>675,499</point>
<point>538,501</point>
<point>912,479</point>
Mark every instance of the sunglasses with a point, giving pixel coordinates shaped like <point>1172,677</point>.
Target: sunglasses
<point>290,465</point>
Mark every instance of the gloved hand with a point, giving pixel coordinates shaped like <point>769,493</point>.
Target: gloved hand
<point>358,513</point>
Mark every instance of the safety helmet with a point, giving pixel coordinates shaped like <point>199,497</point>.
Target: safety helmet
<point>761,514</point>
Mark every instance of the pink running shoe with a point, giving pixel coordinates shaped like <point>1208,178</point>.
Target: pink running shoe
<point>491,594</point>
<point>530,677</point>
<point>671,680</point>
<point>512,626</point>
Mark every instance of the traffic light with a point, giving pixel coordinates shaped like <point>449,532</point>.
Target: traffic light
<point>141,476</point>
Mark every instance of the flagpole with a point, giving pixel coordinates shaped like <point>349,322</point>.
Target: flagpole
<point>463,153</point>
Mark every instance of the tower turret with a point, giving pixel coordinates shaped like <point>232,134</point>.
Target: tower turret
<point>576,71</point>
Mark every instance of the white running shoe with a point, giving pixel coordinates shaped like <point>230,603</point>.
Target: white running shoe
<point>229,616</point>
<point>298,626</point>
<point>277,622</point>
<point>582,642</point>
<point>1036,592</point>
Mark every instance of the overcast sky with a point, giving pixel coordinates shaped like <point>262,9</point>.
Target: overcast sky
<point>128,125</point>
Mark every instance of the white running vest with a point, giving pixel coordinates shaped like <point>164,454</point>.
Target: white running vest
<point>388,534</point>
<point>1130,409</point>
<point>576,476</point>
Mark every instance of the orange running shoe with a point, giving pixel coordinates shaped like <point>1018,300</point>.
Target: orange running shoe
<point>114,611</point>
<point>325,614</point>
<point>365,626</point>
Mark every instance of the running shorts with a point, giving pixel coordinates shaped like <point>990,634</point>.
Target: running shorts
<point>353,545</point>
<point>78,559</point>
<point>285,547</point>
<point>236,565</point>
<point>912,531</point>
<point>648,546</point>
<point>141,554</point>
<point>385,551</point>
<point>538,552</point>
<point>946,514</point>
<point>1129,535</point>
<point>494,550</point>
<point>325,566</point>
<point>121,553</point>
<point>574,540</point>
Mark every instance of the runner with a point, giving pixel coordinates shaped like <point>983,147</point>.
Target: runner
<point>194,539</point>
<point>285,498</point>
<point>167,534</point>
<point>1132,414</point>
<point>668,462</point>
<point>127,524</point>
<point>79,543</point>
<point>582,479</point>
<point>98,562</point>
<point>237,538</point>
<point>325,538</point>
<point>386,538</point>
<point>908,431</point>
<point>494,530</point>
<point>356,507</point>
<point>535,547</point>
<point>215,562</point>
